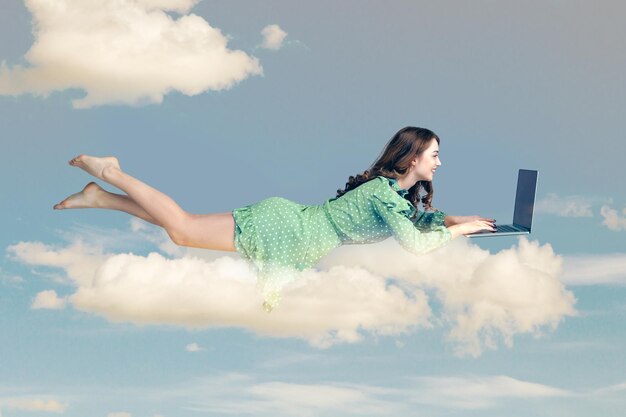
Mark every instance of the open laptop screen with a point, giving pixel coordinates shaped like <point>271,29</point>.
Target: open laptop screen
<point>525,198</point>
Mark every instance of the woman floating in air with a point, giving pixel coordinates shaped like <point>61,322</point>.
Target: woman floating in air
<point>280,237</point>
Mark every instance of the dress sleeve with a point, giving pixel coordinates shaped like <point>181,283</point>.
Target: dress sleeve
<point>393,210</point>
<point>429,220</point>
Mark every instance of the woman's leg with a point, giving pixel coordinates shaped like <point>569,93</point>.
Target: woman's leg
<point>209,231</point>
<point>94,196</point>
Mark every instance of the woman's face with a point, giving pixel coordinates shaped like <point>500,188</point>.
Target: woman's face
<point>428,162</point>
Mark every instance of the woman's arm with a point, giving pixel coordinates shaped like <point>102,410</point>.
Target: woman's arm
<point>392,210</point>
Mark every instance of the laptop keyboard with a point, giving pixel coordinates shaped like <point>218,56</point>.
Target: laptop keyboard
<point>506,228</point>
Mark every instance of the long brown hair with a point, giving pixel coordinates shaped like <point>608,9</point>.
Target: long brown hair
<point>395,161</point>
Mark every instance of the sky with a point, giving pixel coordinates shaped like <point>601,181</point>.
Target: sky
<point>222,104</point>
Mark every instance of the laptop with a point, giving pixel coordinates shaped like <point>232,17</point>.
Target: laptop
<point>524,205</point>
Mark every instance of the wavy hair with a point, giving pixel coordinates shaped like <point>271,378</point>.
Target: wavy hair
<point>395,161</point>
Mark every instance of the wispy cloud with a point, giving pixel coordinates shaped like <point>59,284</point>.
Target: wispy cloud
<point>570,206</point>
<point>193,347</point>
<point>479,392</point>
<point>125,51</point>
<point>273,37</point>
<point>485,297</point>
<point>10,279</point>
<point>242,394</point>
<point>31,404</point>
<point>611,389</point>
<point>587,269</point>
<point>79,260</point>
<point>612,219</point>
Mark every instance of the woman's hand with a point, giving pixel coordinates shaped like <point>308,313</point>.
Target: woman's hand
<point>471,224</point>
<point>452,220</point>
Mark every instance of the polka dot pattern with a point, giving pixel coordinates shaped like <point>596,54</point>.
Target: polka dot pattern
<point>282,238</point>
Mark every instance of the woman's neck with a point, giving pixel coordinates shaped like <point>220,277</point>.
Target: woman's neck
<point>406,181</point>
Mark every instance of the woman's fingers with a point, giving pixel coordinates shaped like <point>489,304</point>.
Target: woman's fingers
<point>487,225</point>
<point>474,224</point>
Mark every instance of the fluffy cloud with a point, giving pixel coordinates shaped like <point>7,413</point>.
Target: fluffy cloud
<point>119,414</point>
<point>485,297</point>
<point>612,218</point>
<point>33,404</point>
<point>124,51</point>
<point>572,206</point>
<point>324,308</point>
<point>48,300</point>
<point>595,269</point>
<point>273,37</point>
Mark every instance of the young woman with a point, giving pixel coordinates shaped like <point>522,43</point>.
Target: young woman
<point>281,238</point>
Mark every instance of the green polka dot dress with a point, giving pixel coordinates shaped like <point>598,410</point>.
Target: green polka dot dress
<point>281,238</point>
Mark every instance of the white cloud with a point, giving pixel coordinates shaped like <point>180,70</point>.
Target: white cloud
<point>611,389</point>
<point>79,260</point>
<point>612,218</point>
<point>193,347</point>
<point>479,392</point>
<point>303,399</point>
<point>119,414</point>
<point>485,297</point>
<point>571,206</point>
<point>325,308</point>
<point>273,37</point>
<point>33,404</point>
<point>48,300</point>
<point>595,269</point>
<point>240,394</point>
<point>124,51</point>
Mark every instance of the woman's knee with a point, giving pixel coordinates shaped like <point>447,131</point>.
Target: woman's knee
<point>179,229</point>
<point>209,231</point>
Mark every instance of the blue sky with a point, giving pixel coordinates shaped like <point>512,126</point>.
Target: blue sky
<point>489,327</point>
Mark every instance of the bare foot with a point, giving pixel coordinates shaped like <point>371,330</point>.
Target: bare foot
<point>94,165</point>
<point>89,197</point>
